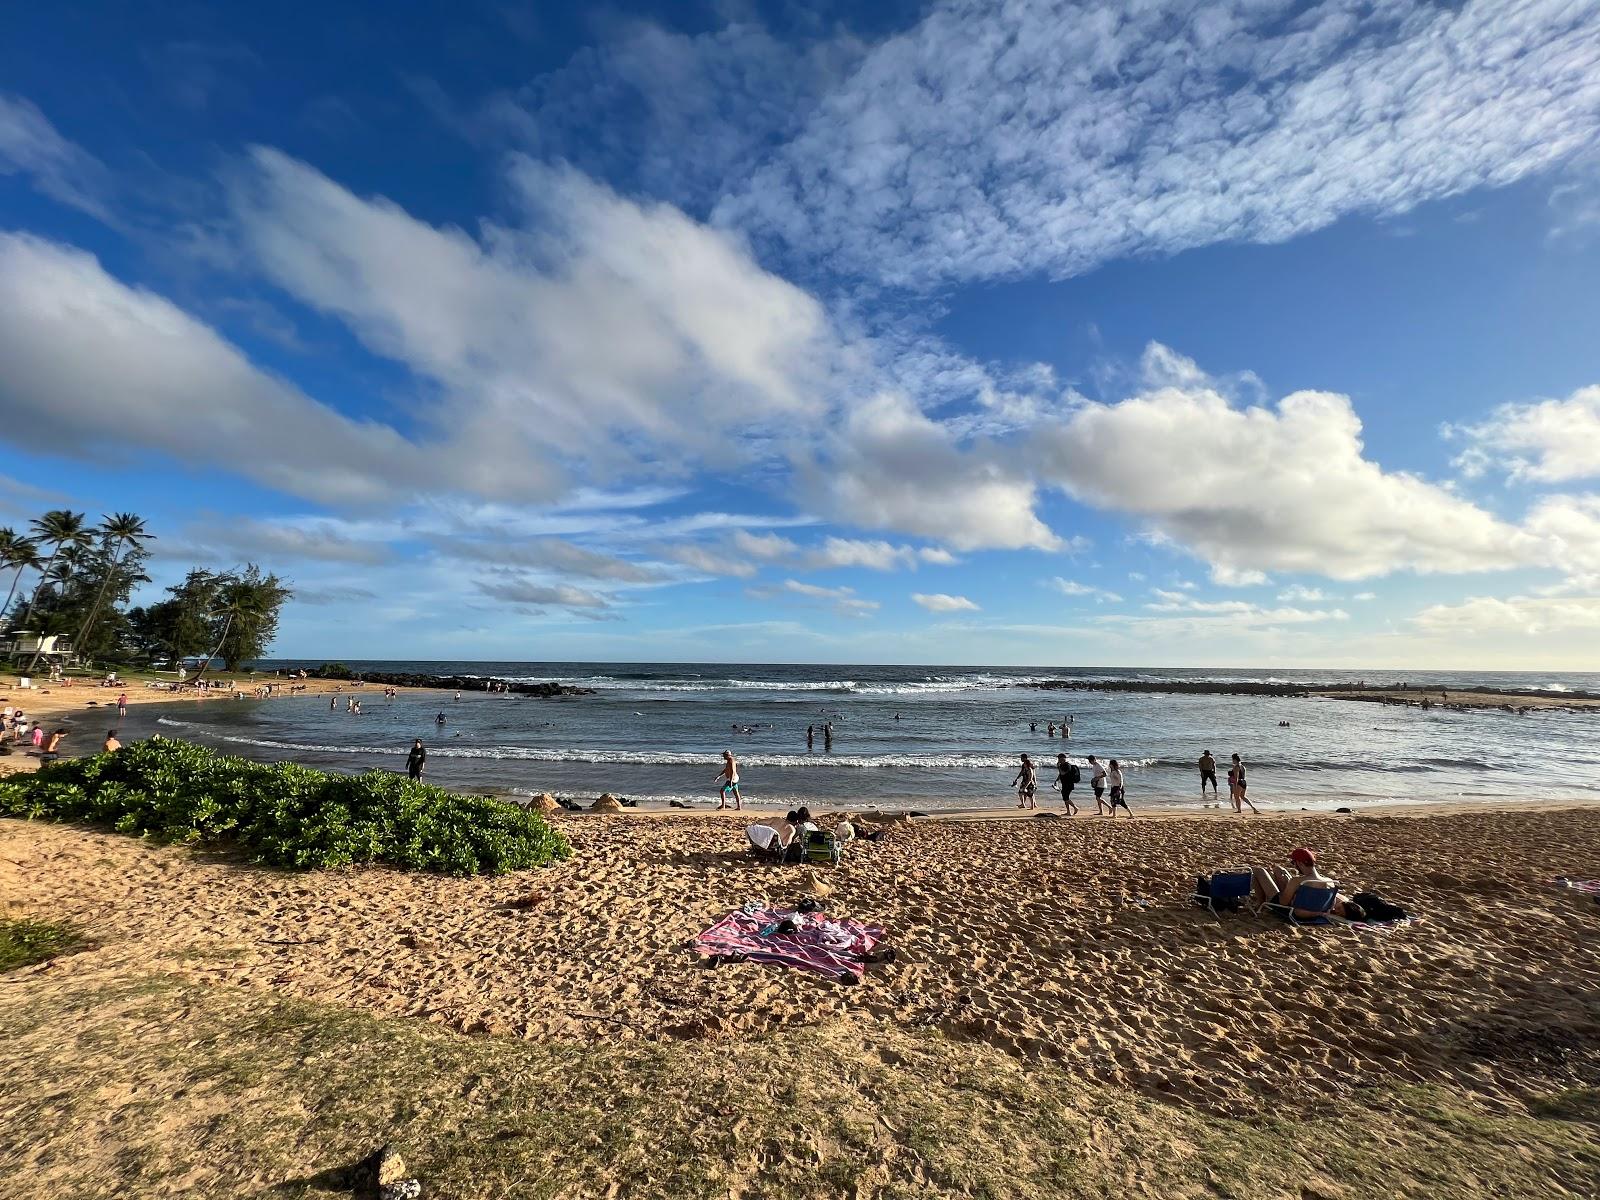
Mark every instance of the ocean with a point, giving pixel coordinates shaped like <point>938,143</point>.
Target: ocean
<point>929,738</point>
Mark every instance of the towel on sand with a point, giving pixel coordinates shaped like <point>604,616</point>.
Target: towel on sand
<point>832,946</point>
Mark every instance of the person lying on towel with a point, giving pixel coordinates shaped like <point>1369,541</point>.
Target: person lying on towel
<point>1277,886</point>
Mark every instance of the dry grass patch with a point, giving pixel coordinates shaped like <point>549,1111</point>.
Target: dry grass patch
<point>155,1087</point>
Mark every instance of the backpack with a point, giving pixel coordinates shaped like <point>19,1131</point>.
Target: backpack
<point>1073,774</point>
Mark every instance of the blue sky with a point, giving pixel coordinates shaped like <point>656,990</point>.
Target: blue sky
<point>1039,332</point>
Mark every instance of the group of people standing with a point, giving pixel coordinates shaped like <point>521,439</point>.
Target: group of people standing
<point>1110,785</point>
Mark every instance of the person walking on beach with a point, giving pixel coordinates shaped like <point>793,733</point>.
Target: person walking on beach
<point>1026,783</point>
<point>122,707</point>
<point>1236,787</point>
<point>1067,776</point>
<point>1119,790</point>
<point>729,779</point>
<point>1097,780</point>
<point>1208,772</point>
<point>416,760</point>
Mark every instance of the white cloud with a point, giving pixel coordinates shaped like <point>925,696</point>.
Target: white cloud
<point>708,560</point>
<point>1286,487</point>
<point>892,467</point>
<point>601,329</point>
<point>1071,587</point>
<point>526,593</point>
<point>940,602</point>
<point>1364,596</point>
<point>1300,594</point>
<point>1527,616</point>
<point>938,556</point>
<point>94,368</point>
<point>1548,441</point>
<point>842,600</point>
<point>851,552</point>
<point>62,170</point>
<point>769,547</point>
<point>1056,135</point>
<point>554,555</point>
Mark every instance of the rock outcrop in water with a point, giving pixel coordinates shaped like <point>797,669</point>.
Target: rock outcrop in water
<point>460,683</point>
<point>1474,699</point>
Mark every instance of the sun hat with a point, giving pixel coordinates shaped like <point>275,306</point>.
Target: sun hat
<point>1303,856</point>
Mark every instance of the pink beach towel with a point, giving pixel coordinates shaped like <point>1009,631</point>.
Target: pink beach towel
<point>829,945</point>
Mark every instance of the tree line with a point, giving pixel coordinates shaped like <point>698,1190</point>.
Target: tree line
<point>76,580</point>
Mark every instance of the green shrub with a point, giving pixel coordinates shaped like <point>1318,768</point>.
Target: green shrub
<point>25,942</point>
<point>284,814</point>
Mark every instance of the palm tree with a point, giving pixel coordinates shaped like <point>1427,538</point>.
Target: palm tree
<point>60,528</point>
<point>120,529</point>
<point>245,599</point>
<point>16,552</point>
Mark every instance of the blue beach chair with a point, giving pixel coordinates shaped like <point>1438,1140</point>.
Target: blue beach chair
<point>1314,896</point>
<point>1225,891</point>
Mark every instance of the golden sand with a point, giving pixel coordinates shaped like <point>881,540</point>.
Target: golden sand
<point>1050,939</point>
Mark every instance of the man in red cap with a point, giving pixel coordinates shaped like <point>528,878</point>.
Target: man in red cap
<point>1277,886</point>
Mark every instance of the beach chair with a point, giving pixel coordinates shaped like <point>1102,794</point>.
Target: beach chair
<point>1314,896</point>
<point>1225,891</point>
<point>766,842</point>
<point>823,847</point>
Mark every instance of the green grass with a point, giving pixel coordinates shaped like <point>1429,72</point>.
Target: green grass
<point>160,1087</point>
<point>24,942</point>
<point>283,814</point>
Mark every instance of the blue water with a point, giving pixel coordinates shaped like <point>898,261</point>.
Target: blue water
<point>654,732</point>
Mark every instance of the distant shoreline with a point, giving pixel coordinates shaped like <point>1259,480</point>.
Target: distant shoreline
<point>1475,698</point>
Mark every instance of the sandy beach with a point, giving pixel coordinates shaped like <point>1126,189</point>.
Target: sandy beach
<point>1044,938</point>
<point>87,710</point>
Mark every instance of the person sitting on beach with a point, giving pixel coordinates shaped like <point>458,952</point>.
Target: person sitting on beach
<point>1119,791</point>
<point>1067,776</point>
<point>728,777</point>
<point>1273,885</point>
<point>112,745</point>
<point>1097,780</point>
<point>1026,784</point>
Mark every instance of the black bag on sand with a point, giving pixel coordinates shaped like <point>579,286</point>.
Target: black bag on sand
<point>1375,908</point>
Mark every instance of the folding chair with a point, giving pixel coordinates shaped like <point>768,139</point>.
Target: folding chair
<point>1228,889</point>
<point>1313,896</point>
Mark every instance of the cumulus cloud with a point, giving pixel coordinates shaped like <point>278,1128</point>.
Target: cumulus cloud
<point>893,467</point>
<point>61,169</point>
<point>1547,441</point>
<point>1280,487</point>
<point>941,602</point>
<point>768,547</point>
<point>94,368</point>
<point>1529,616</point>
<point>1056,135</point>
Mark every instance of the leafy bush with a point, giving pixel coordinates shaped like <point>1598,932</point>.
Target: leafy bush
<point>284,814</point>
<point>24,942</point>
